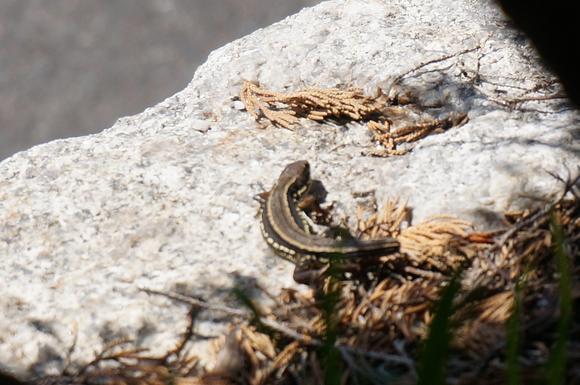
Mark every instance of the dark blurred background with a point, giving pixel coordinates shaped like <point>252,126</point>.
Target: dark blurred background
<point>72,67</point>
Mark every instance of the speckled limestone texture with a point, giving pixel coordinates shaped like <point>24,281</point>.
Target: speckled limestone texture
<point>164,199</point>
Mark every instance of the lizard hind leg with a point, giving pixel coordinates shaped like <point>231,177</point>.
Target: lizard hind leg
<point>309,275</point>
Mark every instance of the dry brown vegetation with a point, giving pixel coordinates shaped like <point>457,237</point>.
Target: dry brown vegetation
<point>371,329</point>
<point>284,109</point>
<point>389,124</point>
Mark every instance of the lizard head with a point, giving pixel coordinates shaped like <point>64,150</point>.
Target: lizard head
<point>299,170</point>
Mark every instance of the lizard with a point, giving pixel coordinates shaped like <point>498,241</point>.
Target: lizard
<point>283,226</point>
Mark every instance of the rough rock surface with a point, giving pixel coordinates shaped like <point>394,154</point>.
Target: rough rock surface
<point>164,199</point>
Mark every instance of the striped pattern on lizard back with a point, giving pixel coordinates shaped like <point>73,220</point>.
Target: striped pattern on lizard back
<point>284,230</point>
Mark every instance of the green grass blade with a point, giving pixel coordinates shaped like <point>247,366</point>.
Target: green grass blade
<point>435,352</point>
<point>556,369</point>
<point>328,353</point>
<point>513,341</point>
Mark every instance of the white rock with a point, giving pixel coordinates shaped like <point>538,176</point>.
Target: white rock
<point>200,125</point>
<point>153,202</point>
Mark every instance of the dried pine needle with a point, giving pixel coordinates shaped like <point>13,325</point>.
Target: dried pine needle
<point>284,109</point>
<point>318,104</point>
